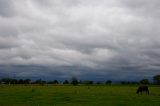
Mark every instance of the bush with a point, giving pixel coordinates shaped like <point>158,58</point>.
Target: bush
<point>74,81</point>
<point>144,81</point>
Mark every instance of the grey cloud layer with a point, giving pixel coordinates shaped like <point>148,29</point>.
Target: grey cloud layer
<point>118,36</point>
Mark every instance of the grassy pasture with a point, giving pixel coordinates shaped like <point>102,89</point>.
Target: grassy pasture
<point>64,95</point>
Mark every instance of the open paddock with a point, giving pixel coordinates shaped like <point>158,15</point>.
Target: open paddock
<point>68,95</point>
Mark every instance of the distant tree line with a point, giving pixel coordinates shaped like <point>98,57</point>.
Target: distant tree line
<point>157,79</point>
<point>75,81</point>
<point>14,81</point>
<point>26,81</point>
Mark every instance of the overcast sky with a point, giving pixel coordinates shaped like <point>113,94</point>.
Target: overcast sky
<point>89,39</point>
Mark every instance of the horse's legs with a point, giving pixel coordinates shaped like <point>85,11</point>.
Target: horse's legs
<point>147,91</point>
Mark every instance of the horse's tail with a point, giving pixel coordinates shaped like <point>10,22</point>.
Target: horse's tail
<point>137,91</point>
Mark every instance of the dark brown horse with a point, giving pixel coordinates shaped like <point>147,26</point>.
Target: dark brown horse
<point>143,88</point>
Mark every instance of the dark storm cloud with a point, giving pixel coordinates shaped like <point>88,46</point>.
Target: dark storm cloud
<point>91,37</point>
<point>6,8</point>
<point>146,8</point>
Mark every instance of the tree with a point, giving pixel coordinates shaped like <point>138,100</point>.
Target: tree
<point>21,81</point>
<point>39,81</point>
<point>144,81</point>
<point>27,81</point>
<point>87,82</point>
<point>9,81</point>
<point>99,82</point>
<point>50,82</point>
<point>123,82</point>
<point>74,81</point>
<point>156,78</point>
<point>66,82</point>
<point>108,82</point>
<point>55,82</point>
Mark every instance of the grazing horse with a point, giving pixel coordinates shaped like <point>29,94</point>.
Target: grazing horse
<point>143,88</point>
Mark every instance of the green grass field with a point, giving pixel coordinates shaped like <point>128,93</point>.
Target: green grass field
<point>115,95</point>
